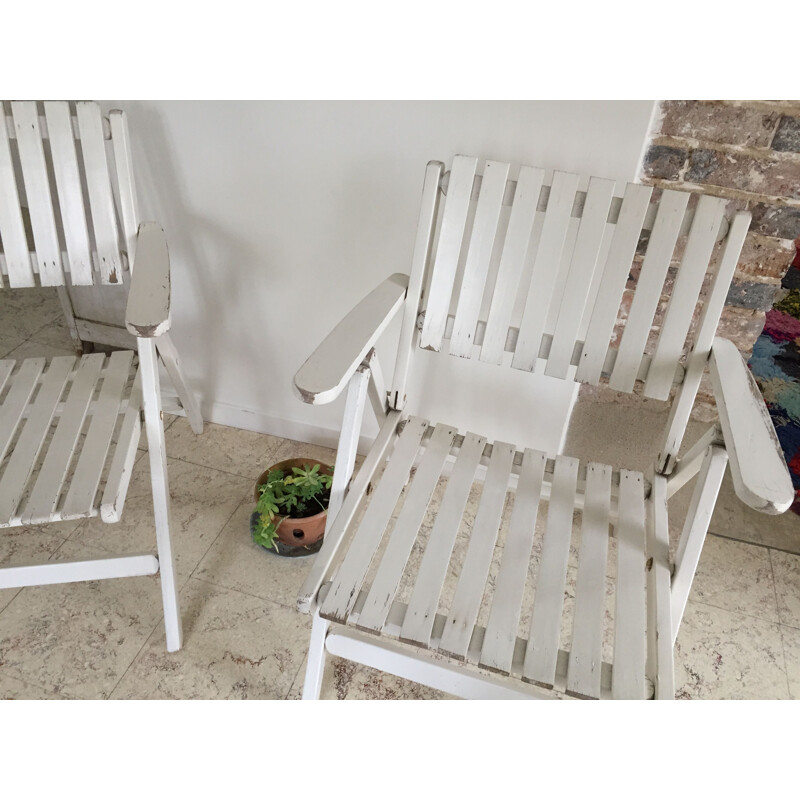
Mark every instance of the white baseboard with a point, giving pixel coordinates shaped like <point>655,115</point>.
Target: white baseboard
<point>250,420</point>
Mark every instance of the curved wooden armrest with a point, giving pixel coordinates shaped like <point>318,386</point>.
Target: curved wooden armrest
<point>760,476</point>
<point>148,311</point>
<point>328,369</point>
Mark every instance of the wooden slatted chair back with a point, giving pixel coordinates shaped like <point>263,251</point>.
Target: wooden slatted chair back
<point>541,267</point>
<point>68,209</point>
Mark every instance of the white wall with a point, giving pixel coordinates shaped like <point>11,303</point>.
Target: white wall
<point>282,215</point>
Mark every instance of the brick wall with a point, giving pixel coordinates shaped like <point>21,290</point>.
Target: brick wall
<point>749,153</point>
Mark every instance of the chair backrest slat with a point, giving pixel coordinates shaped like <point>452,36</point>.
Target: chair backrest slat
<point>515,248</point>
<point>101,199</point>
<point>128,203</point>
<point>615,276</point>
<point>545,269</point>
<point>482,238</point>
<point>37,192</point>
<point>68,184</point>
<point>68,210</point>
<point>451,235</point>
<point>580,277</point>
<point>671,211</point>
<point>12,228</point>
<point>554,278</point>
<point>683,300</point>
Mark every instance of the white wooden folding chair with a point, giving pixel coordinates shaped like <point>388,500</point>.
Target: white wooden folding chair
<point>376,589</point>
<point>70,426</point>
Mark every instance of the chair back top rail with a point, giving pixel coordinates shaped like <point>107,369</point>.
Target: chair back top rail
<point>615,204</point>
<point>596,279</point>
<point>68,210</point>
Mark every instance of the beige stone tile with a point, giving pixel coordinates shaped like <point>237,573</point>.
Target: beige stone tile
<point>723,655</point>
<point>8,344</point>
<point>15,689</point>
<point>24,313</point>
<point>786,568</point>
<point>231,450</point>
<point>791,651</point>
<point>737,577</point>
<point>235,647</point>
<point>366,683</point>
<point>78,638</point>
<point>346,680</point>
<point>33,349</point>
<point>169,419</point>
<point>55,334</point>
<point>202,501</point>
<point>289,448</point>
<point>735,520</point>
<point>29,544</point>
<point>235,561</point>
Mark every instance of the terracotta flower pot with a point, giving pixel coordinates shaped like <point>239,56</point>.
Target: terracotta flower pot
<point>296,532</point>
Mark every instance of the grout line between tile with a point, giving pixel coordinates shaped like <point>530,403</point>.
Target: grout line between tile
<point>180,589</point>
<point>248,594</point>
<point>214,540</point>
<point>27,682</point>
<point>136,655</point>
<point>728,611</point>
<point>780,626</point>
<point>754,544</point>
<point>217,469</point>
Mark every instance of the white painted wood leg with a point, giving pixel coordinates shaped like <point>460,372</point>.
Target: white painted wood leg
<point>169,355</point>
<point>694,531</point>
<point>377,387</point>
<point>154,425</point>
<point>345,461</point>
<point>348,441</point>
<point>315,666</point>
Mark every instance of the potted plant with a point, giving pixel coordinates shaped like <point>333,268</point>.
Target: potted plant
<point>292,506</point>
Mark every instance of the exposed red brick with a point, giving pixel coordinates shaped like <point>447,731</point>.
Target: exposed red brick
<point>787,137</point>
<point>782,222</point>
<point>777,177</point>
<point>716,122</point>
<point>764,257</point>
<point>742,326</point>
<point>664,162</point>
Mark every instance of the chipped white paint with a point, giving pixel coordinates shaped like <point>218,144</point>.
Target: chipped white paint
<point>53,473</point>
<point>359,575</point>
<point>327,370</point>
<point>758,469</point>
<point>148,312</point>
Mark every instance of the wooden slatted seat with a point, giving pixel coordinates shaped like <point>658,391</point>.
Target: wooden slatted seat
<point>69,426</point>
<point>586,282</point>
<point>376,576</point>
<point>63,414</point>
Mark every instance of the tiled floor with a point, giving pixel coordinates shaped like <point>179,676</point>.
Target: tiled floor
<point>242,636</point>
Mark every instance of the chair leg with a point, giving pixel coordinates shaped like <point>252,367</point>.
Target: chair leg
<point>169,355</point>
<point>315,667</point>
<point>695,527</point>
<point>154,425</point>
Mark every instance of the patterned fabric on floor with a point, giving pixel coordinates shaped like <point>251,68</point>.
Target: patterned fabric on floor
<point>775,364</point>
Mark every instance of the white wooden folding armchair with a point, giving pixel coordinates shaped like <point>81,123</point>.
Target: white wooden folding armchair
<point>70,426</point>
<point>377,589</point>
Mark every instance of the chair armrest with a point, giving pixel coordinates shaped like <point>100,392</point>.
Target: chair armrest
<point>760,476</point>
<point>148,311</point>
<point>327,370</point>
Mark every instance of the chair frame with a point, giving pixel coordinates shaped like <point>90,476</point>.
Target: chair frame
<point>147,318</point>
<point>744,437</point>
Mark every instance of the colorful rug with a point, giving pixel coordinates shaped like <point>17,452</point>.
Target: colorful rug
<point>775,364</point>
